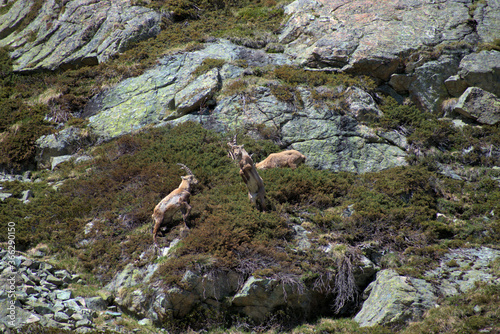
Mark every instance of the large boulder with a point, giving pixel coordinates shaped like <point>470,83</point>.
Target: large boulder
<point>55,34</point>
<point>479,105</point>
<point>482,70</point>
<point>395,299</point>
<point>428,87</point>
<point>60,144</point>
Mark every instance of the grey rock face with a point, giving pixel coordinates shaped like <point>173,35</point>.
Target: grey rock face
<point>460,269</point>
<point>482,70</point>
<point>395,299</point>
<point>427,88</point>
<point>479,105</point>
<point>171,90</point>
<point>351,35</point>
<point>329,139</point>
<point>73,33</point>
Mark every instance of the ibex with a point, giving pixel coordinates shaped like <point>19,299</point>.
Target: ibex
<point>248,172</point>
<point>290,158</point>
<point>177,200</point>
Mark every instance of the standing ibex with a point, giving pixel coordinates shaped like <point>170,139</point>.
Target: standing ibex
<point>173,202</point>
<point>248,172</point>
<point>290,158</point>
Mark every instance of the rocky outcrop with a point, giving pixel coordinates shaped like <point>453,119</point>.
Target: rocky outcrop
<point>137,291</point>
<point>352,36</point>
<point>328,138</point>
<point>48,35</point>
<point>415,47</point>
<point>394,299</point>
<point>171,89</point>
<point>63,143</point>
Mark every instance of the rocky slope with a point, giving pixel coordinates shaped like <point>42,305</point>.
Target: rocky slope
<point>49,35</point>
<point>319,85</point>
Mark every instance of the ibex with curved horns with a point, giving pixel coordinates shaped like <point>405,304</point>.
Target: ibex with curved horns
<point>248,172</point>
<point>173,202</point>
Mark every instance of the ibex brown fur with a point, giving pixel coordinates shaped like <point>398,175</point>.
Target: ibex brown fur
<point>173,202</point>
<point>248,172</point>
<point>290,158</point>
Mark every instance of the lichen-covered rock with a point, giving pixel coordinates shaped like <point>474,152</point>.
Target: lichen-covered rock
<point>461,269</point>
<point>149,98</point>
<point>351,35</point>
<point>479,105</point>
<point>487,16</point>
<point>328,139</point>
<point>62,143</point>
<point>260,296</point>
<point>73,33</point>
<point>428,89</point>
<point>482,70</point>
<point>395,299</point>
<point>196,93</point>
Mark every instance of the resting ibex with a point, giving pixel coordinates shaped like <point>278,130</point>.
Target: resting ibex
<point>173,202</point>
<point>248,172</point>
<point>290,158</point>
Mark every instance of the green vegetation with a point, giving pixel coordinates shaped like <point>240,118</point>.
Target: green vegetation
<point>115,193</point>
<point>207,65</point>
<point>438,141</point>
<point>118,189</point>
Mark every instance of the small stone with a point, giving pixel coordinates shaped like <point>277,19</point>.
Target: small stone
<point>43,309</point>
<point>54,280</point>
<point>96,303</point>
<point>61,317</point>
<point>58,306</point>
<point>27,263</point>
<point>38,253</point>
<point>77,317</point>
<point>113,314</point>
<point>83,322</point>
<point>48,267</point>
<point>145,322</point>
<point>29,289</point>
<point>35,265</point>
<point>34,278</point>
<point>64,294</point>
<point>61,273</point>
<point>48,285</point>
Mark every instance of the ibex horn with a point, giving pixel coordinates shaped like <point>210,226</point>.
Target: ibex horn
<point>186,168</point>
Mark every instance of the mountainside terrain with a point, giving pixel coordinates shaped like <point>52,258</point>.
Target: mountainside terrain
<point>389,226</point>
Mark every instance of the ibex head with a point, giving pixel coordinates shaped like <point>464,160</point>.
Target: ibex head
<point>235,151</point>
<point>190,177</point>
